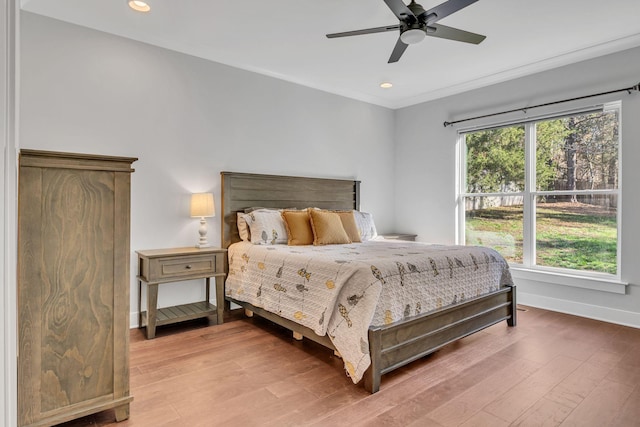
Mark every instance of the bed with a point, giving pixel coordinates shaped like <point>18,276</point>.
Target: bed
<point>388,343</point>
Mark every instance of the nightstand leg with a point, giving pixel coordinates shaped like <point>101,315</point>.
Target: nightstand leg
<point>152,309</point>
<point>139,303</point>
<point>207,299</point>
<point>220,299</point>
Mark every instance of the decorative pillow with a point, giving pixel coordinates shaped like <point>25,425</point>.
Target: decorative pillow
<point>298,227</point>
<point>350,226</point>
<point>243,228</point>
<point>266,227</point>
<point>327,228</point>
<point>249,210</point>
<point>366,226</point>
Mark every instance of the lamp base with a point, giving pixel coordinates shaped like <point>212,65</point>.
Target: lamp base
<point>203,234</point>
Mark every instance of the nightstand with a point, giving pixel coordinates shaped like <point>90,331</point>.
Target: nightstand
<point>157,266</point>
<point>400,236</point>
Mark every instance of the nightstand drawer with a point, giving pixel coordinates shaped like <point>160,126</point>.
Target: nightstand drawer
<point>172,267</point>
<point>159,266</point>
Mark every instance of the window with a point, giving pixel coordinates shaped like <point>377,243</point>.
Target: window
<point>545,194</point>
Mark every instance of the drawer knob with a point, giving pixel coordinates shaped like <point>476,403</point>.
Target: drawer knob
<point>188,267</point>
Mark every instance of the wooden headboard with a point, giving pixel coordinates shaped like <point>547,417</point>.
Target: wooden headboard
<point>246,190</point>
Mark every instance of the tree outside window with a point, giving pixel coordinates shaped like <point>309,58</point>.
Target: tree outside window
<point>554,208</point>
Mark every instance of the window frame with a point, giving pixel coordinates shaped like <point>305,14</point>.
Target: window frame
<point>529,269</point>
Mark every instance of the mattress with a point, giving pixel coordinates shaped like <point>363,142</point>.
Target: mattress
<point>342,290</point>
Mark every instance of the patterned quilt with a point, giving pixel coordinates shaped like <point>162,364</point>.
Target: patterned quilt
<point>341,290</point>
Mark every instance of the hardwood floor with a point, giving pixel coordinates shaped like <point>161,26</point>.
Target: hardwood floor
<point>550,370</point>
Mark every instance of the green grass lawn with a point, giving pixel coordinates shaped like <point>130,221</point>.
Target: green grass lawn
<point>569,235</point>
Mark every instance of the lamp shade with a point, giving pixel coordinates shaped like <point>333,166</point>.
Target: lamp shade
<point>202,205</point>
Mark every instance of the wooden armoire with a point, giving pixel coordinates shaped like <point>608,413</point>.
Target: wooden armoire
<point>73,286</point>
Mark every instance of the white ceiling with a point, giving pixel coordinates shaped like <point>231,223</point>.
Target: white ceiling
<point>286,39</point>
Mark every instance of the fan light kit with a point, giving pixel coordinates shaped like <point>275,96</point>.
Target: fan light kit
<point>415,24</point>
<point>412,36</point>
<point>139,6</point>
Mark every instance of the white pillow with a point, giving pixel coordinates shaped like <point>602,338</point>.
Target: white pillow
<point>266,227</point>
<point>243,228</point>
<point>366,226</point>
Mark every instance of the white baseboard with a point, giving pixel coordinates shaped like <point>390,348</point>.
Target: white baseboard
<point>133,320</point>
<point>606,314</point>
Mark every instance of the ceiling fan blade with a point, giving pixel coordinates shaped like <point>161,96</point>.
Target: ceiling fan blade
<point>365,31</point>
<point>450,33</point>
<point>445,9</point>
<point>400,10</point>
<point>397,51</point>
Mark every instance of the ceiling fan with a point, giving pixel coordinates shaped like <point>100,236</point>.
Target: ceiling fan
<point>416,23</point>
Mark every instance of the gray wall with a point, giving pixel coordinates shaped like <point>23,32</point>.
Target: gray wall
<point>187,119</point>
<point>425,170</point>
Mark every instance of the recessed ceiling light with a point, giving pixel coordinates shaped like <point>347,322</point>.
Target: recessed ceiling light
<point>139,6</point>
<point>386,85</point>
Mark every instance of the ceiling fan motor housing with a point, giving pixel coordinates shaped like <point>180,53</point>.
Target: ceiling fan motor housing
<point>420,14</point>
<point>416,9</point>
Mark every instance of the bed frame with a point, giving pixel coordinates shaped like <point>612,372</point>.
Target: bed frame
<point>391,346</point>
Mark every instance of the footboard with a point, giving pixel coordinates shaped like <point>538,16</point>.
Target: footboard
<point>403,342</point>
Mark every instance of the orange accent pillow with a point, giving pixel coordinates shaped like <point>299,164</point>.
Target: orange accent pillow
<point>350,226</point>
<point>298,227</point>
<point>327,228</point>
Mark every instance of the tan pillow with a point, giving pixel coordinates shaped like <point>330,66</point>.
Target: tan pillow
<point>349,224</point>
<point>298,227</point>
<point>327,228</point>
<point>243,228</point>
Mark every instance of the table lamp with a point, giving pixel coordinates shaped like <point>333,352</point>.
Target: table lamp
<point>202,207</point>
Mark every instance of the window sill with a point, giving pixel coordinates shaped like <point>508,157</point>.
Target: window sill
<point>556,278</point>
